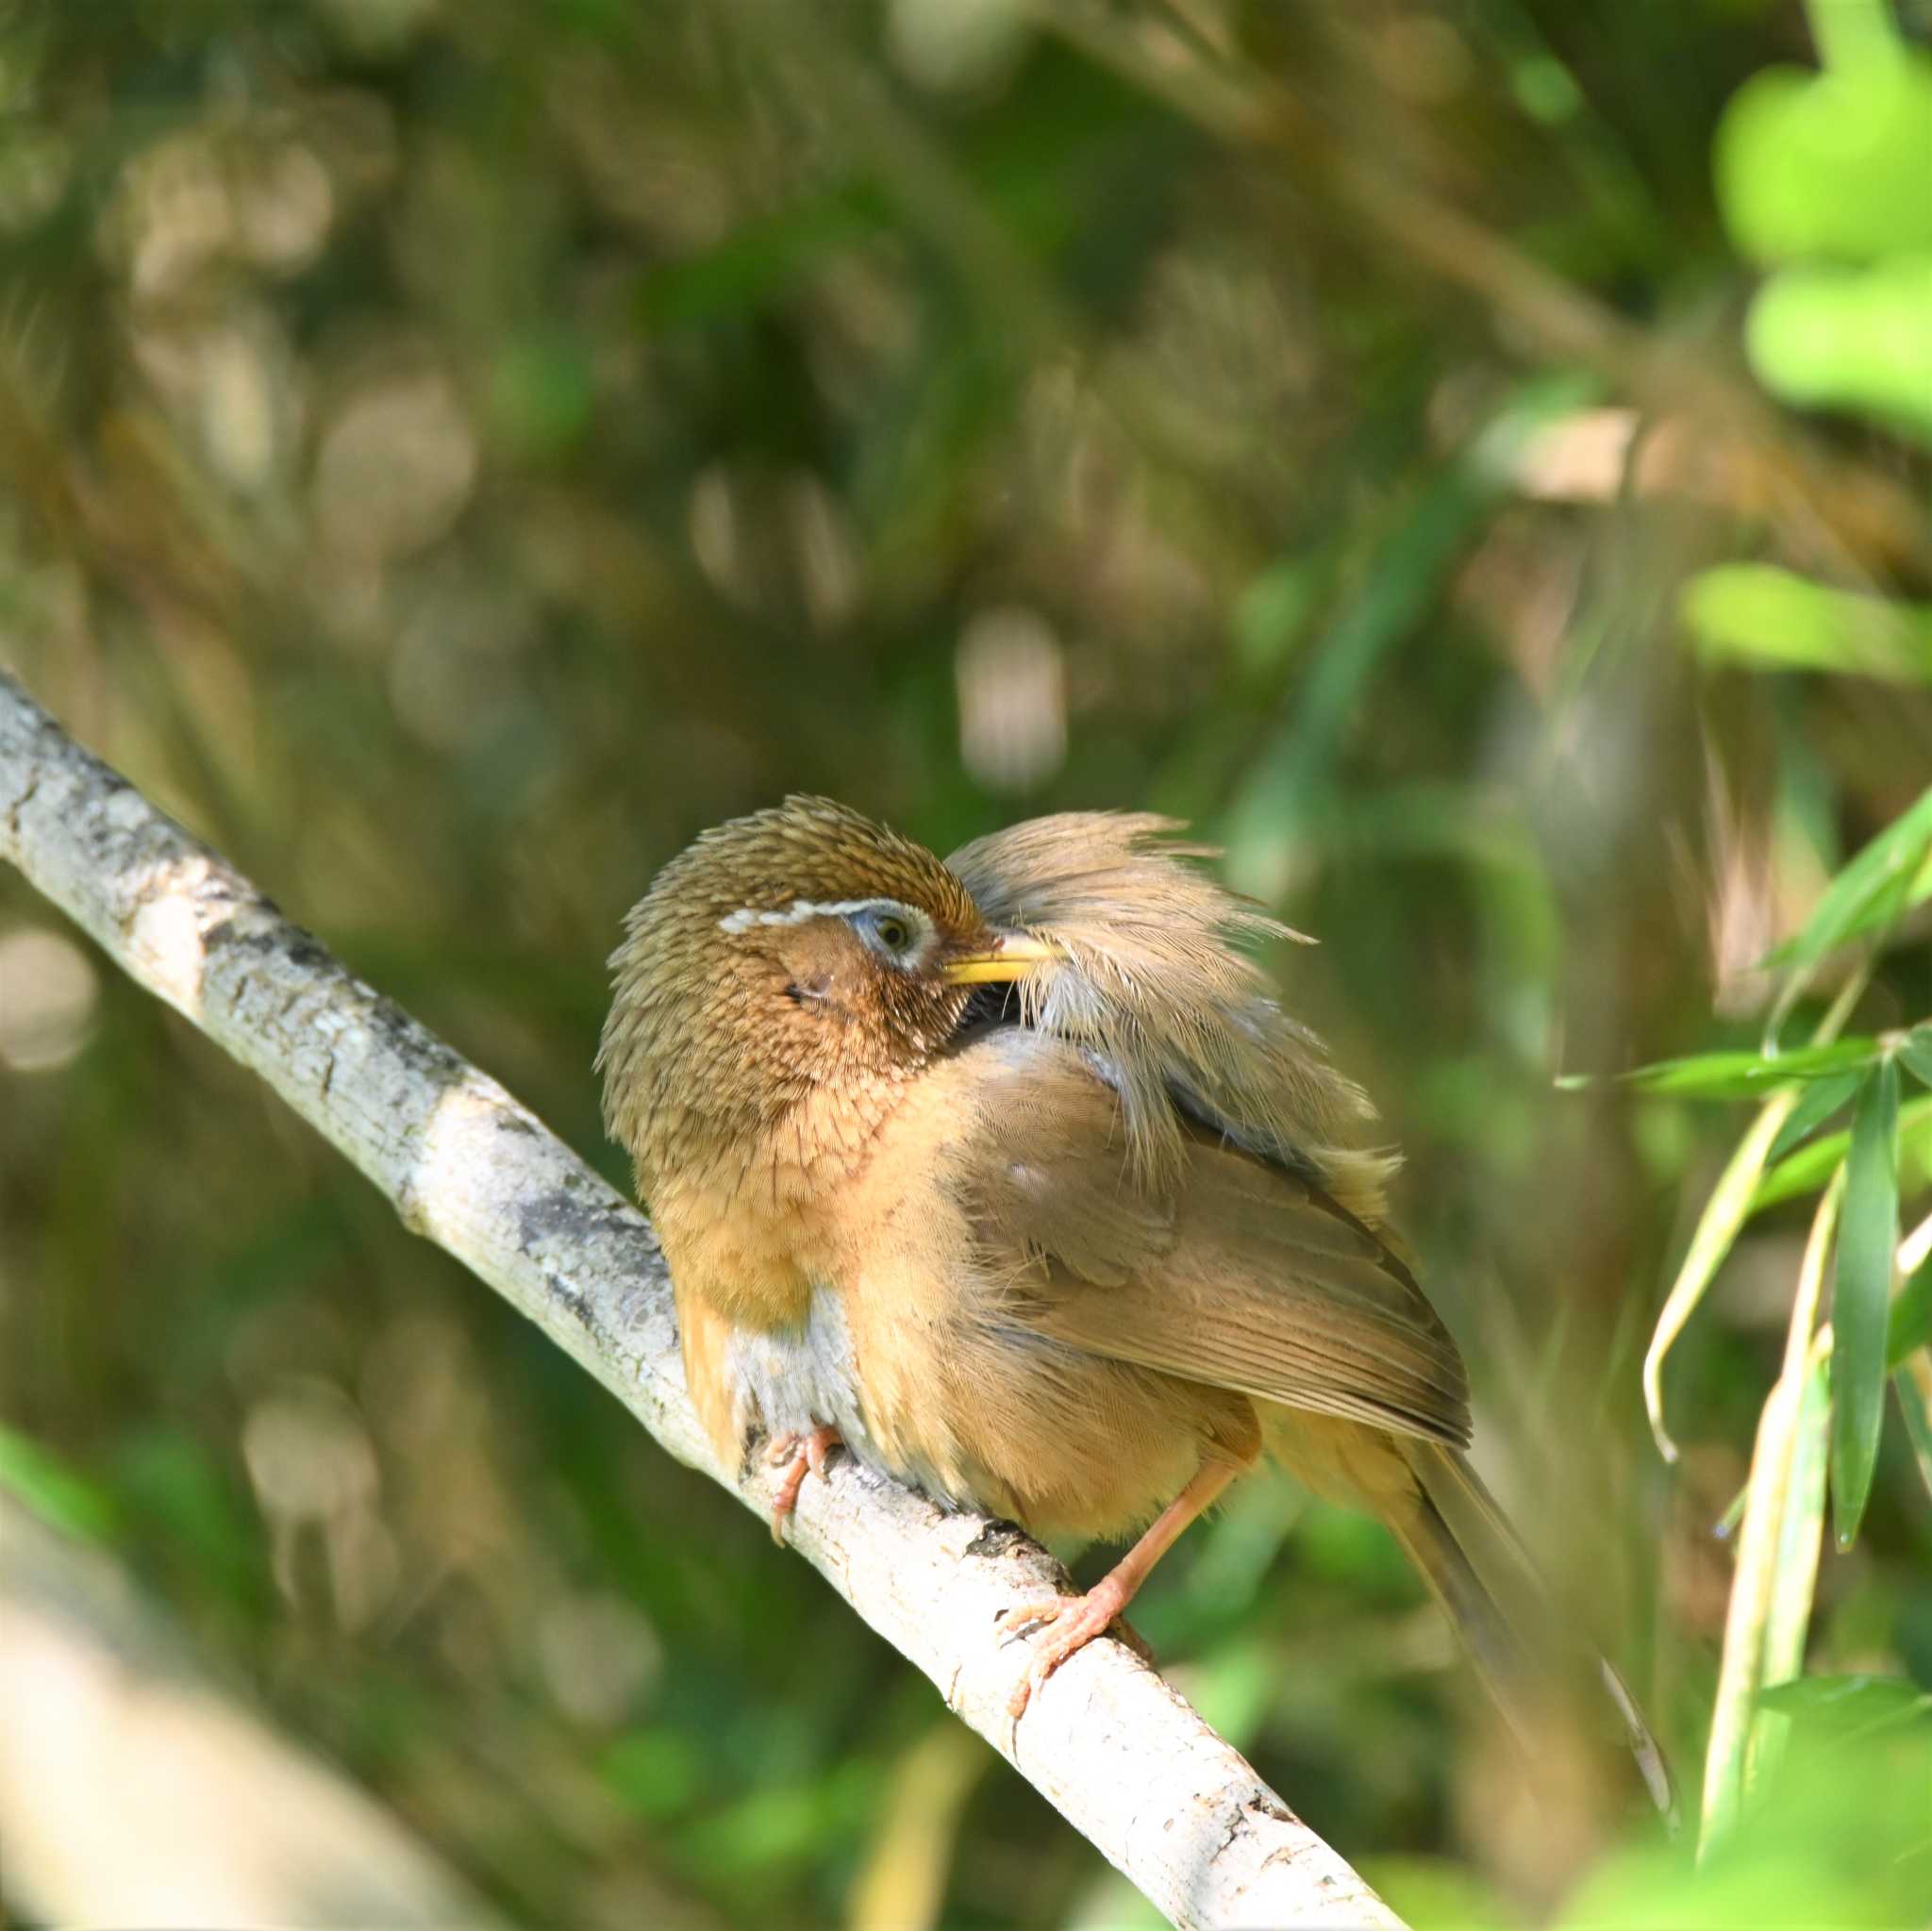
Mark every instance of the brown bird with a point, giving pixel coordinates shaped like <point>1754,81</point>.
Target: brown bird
<point>1010,1175</point>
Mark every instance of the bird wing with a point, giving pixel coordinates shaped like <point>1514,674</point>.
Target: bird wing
<point>1238,1274</point>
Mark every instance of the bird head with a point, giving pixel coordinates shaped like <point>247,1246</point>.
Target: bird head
<point>800,947</point>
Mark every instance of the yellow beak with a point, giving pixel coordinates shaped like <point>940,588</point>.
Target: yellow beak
<point>1011,956</point>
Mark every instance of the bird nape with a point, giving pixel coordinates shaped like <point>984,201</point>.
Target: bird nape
<point>1009,1173</point>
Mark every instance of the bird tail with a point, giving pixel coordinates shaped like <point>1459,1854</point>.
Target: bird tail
<point>1450,1526</point>
<point>1477,1567</point>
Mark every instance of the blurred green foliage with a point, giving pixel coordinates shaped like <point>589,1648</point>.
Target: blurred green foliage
<point>451,453</point>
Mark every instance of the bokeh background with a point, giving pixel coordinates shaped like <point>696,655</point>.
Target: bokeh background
<point>1469,457</point>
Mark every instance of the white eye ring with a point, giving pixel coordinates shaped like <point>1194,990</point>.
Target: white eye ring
<point>899,933</point>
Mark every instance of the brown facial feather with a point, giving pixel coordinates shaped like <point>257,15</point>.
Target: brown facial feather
<point>714,1033</point>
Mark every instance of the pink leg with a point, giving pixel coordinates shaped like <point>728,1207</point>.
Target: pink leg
<point>803,1455</point>
<point>1077,1620</point>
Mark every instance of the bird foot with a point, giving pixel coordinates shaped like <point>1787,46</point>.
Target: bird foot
<point>804,1454</point>
<point>1074,1621</point>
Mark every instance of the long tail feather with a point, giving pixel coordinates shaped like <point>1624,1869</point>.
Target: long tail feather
<point>1450,1526</point>
<point>1474,1562</point>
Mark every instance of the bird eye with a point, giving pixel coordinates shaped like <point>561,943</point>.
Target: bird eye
<point>896,935</point>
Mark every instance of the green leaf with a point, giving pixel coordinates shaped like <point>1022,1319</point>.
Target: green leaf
<point>1733,1715</point>
<point>1832,164</point>
<point>1730,1205</point>
<point>63,1499</point>
<point>1820,1100</point>
<point>1848,33</point>
<point>1854,338</point>
<point>1910,1325</point>
<point>1810,1167</point>
<point>1844,1704</point>
<point>1802,1531</point>
<point>1868,1234</point>
<point>1794,1573</point>
<point>1758,615</point>
<point>1915,1050</point>
<point>1886,876</point>
<point>1743,1075</point>
<point>1914,1392</point>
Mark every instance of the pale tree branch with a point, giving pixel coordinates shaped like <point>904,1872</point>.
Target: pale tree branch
<point>1113,1747</point>
<point>133,1791</point>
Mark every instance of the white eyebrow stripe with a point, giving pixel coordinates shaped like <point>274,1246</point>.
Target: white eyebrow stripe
<point>803,909</point>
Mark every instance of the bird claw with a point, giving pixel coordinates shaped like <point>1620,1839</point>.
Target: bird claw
<point>1074,1622</point>
<point>803,1455</point>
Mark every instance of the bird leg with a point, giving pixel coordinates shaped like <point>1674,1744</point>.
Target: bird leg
<point>1077,1620</point>
<point>805,1455</point>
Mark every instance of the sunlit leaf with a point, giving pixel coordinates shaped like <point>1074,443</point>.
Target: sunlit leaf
<point>1868,1234</point>
<point>1807,1170</point>
<point>1743,1075</point>
<point>1802,1529</point>
<point>1770,1597</point>
<point>1740,1668</point>
<point>1794,1576</point>
<point>1725,1212</point>
<point>1830,336</point>
<point>1830,165</point>
<point>1849,1703</point>
<point>1760,615</point>
<point>1870,889</point>
<point>1731,1203</point>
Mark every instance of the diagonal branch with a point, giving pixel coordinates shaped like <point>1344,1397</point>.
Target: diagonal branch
<point>135,1790</point>
<point>1123,1757</point>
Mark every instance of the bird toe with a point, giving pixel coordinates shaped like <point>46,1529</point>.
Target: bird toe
<point>801,1456</point>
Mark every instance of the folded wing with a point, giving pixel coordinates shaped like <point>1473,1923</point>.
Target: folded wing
<point>1238,1274</point>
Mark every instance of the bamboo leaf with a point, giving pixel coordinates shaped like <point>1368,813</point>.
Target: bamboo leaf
<point>1916,1051</point>
<point>1725,1212</point>
<point>1740,1669</point>
<point>1731,1203</point>
<point>1758,1631</point>
<point>1757,614</point>
<point>1810,1167</point>
<point>1873,887</point>
<point>1743,1075</point>
<point>1847,1704</point>
<point>1910,1323</point>
<point>1912,1385</point>
<point>1820,1100</point>
<point>1868,1234</point>
<point>1794,1573</point>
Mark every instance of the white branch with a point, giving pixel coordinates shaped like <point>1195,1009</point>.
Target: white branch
<point>133,1791</point>
<point>1123,1756</point>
